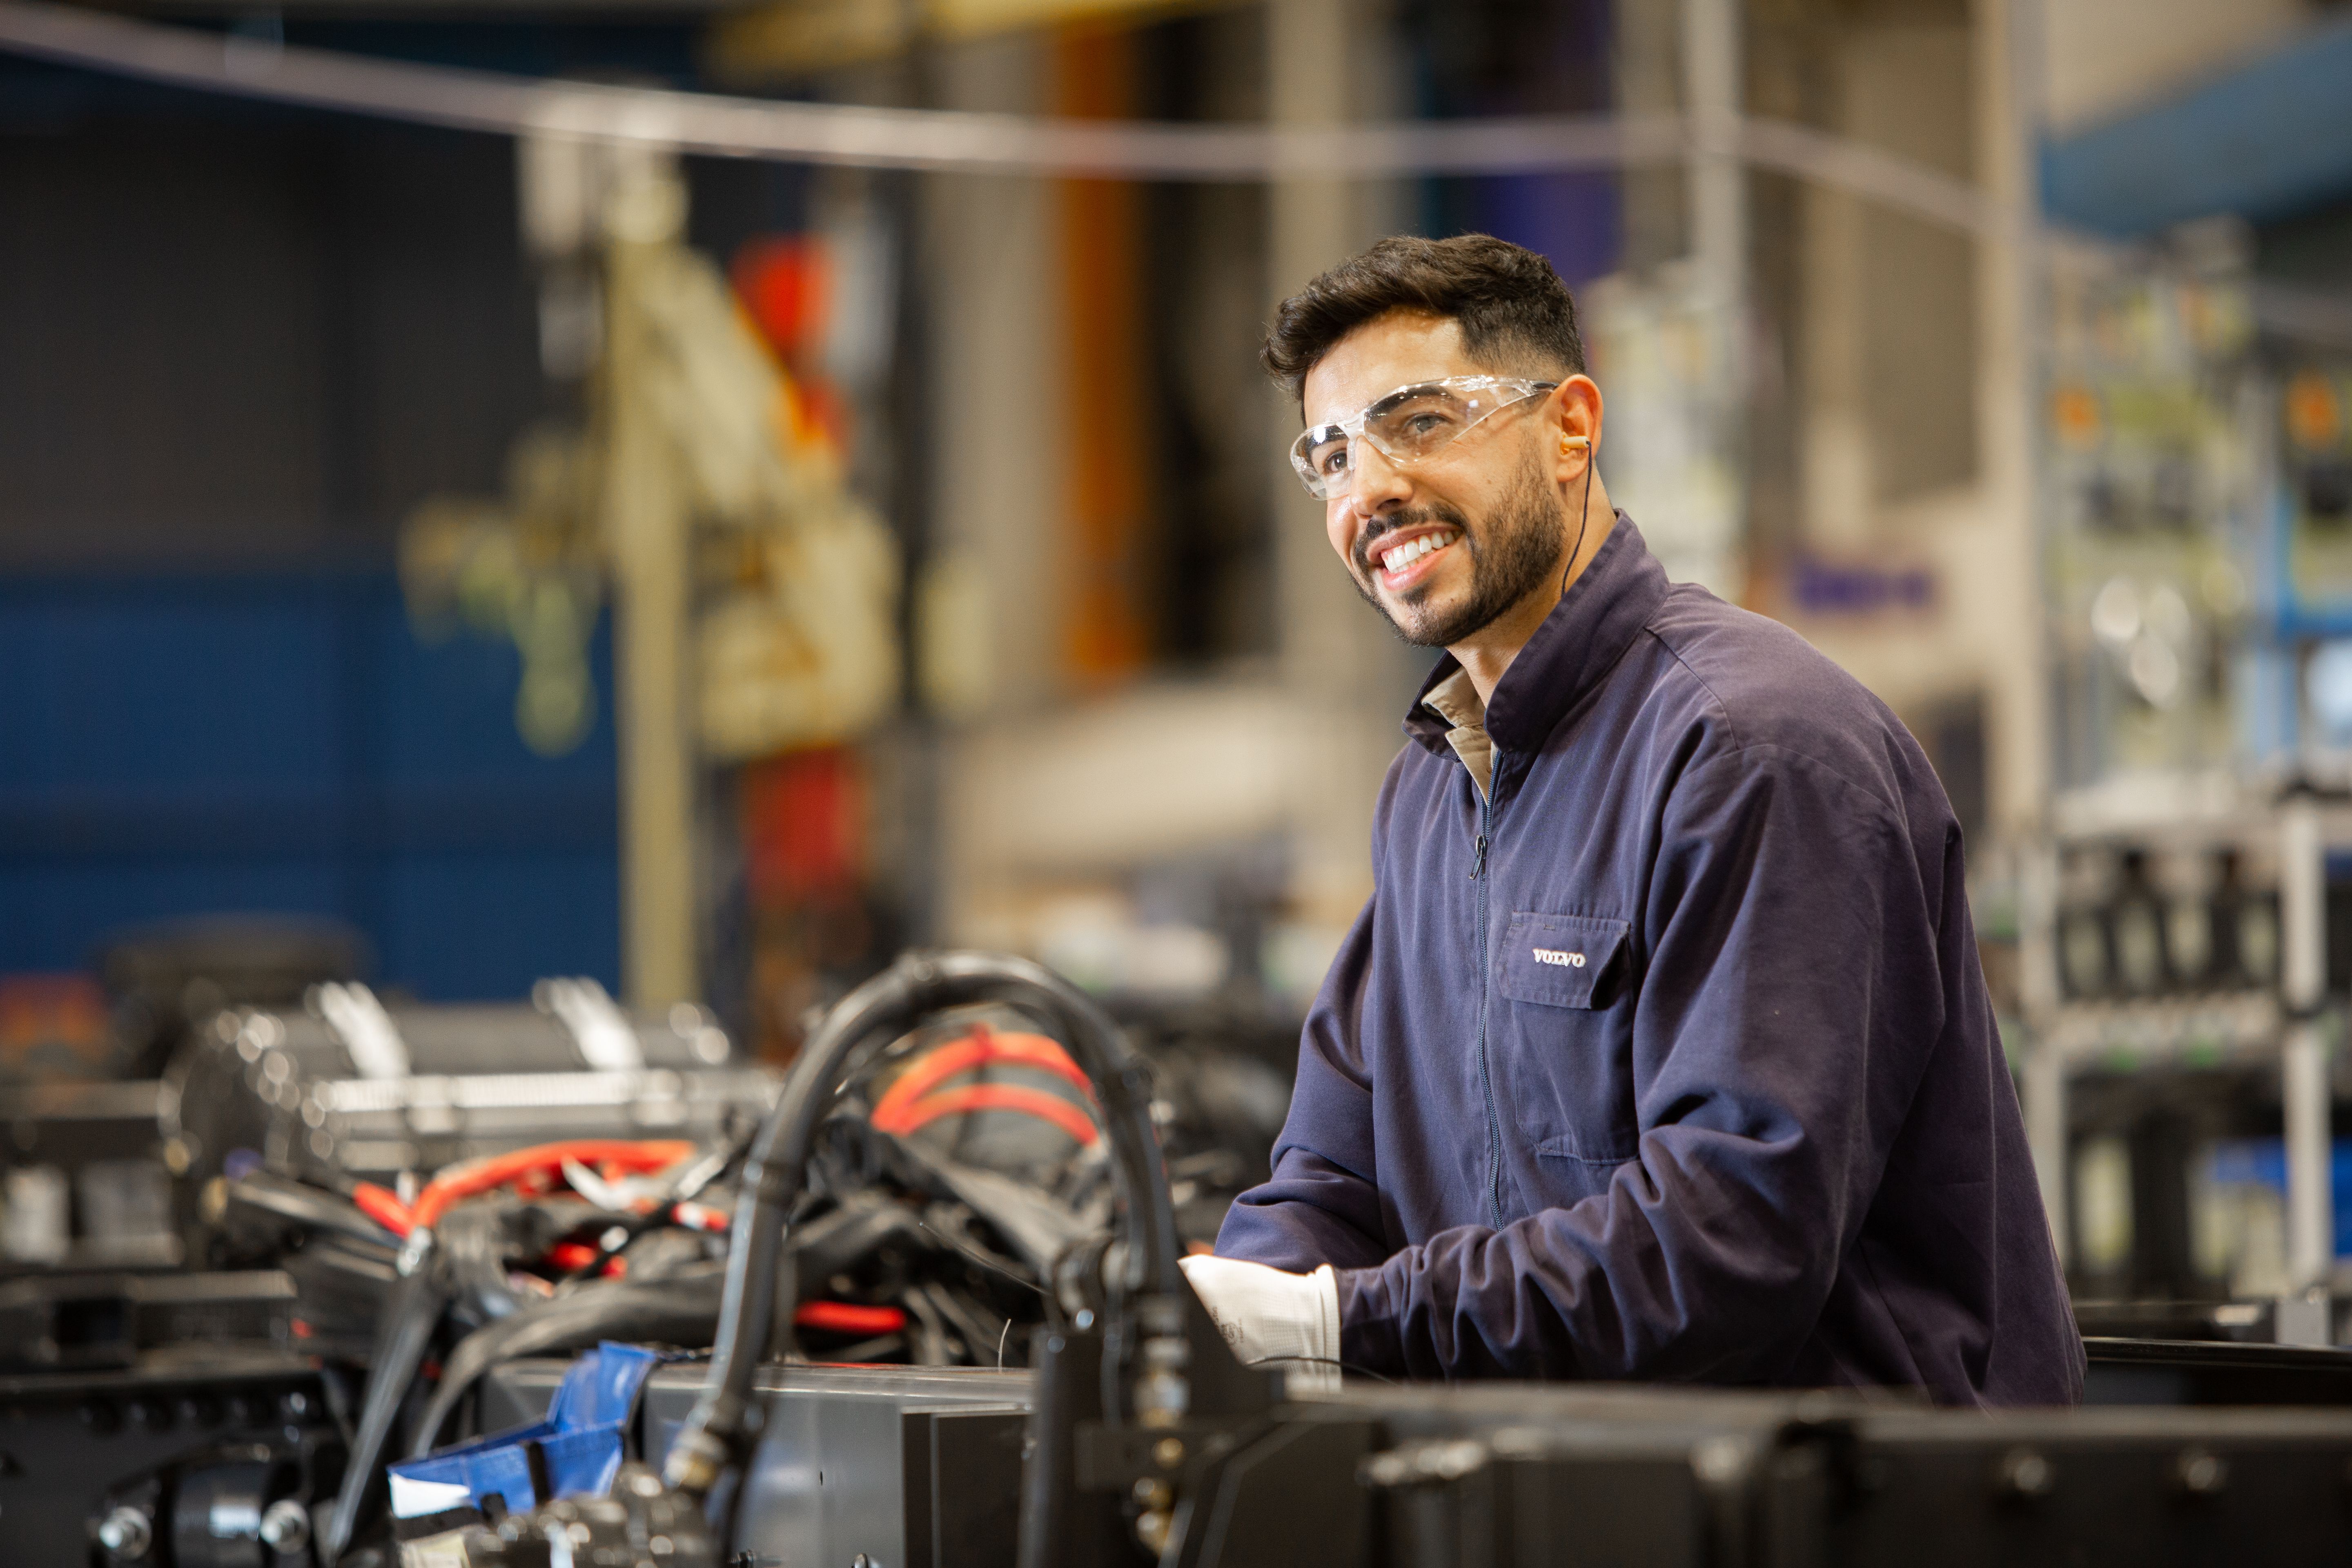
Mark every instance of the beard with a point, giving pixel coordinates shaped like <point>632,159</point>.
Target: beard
<point>1515,552</point>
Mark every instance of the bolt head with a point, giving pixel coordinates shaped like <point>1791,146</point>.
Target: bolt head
<point>2025,1473</point>
<point>126,1532</point>
<point>2200,1472</point>
<point>285,1527</point>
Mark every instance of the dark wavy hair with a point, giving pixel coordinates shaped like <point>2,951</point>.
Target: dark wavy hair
<point>1514,312</point>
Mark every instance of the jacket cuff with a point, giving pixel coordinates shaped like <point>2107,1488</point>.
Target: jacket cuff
<point>1368,1324</point>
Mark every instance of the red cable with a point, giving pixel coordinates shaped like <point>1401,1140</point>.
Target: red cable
<point>1017,1097</point>
<point>979,1048</point>
<point>543,1162</point>
<point>383,1206</point>
<point>571,1256</point>
<point>847,1318</point>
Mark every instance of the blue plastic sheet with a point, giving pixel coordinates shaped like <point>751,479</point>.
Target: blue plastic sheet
<point>577,1449</point>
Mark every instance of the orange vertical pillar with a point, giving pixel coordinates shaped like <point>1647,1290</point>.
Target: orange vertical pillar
<point>1106,636</point>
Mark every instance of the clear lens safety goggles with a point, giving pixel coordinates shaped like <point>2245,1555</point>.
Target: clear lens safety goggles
<point>1411,424</point>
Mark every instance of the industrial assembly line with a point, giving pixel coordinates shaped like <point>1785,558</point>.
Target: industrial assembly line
<point>695,696</point>
<point>654,1309</point>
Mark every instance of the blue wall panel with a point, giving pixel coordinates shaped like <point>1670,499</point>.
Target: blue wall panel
<point>54,912</point>
<point>2265,139</point>
<point>286,743</point>
<point>485,924</point>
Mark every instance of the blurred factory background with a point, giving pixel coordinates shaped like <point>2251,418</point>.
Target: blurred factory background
<point>448,559</point>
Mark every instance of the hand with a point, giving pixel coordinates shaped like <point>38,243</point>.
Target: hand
<point>1272,1318</point>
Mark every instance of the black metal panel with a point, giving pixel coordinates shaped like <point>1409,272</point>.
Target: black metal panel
<point>2211,1371</point>
<point>905,1465</point>
<point>66,1442</point>
<point>962,1487</point>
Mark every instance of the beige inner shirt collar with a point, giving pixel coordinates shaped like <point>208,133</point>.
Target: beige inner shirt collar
<point>1455,701</point>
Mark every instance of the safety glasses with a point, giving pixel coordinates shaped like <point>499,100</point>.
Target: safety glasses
<point>1411,424</point>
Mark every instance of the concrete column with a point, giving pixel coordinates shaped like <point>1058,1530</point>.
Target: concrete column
<point>1712,98</point>
<point>2306,1093</point>
<point>1650,75</point>
<point>2043,1089</point>
<point>645,526</point>
<point>1339,663</point>
<point>991,610</point>
<point>2008,381</point>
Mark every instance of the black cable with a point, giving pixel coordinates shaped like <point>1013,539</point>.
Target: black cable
<point>1583,514</point>
<point>970,1257</point>
<point>676,1310</point>
<point>1327,1361</point>
<point>402,1336</point>
<point>775,1171</point>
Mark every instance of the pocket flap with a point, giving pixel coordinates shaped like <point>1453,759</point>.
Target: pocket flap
<point>1558,961</point>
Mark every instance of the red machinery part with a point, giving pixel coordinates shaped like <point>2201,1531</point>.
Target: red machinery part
<point>543,1162</point>
<point>572,1257</point>
<point>910,1102</point>
<point>847,1318</point>
<point>538,1164</point>
<point>1017,1097</point>
<point>383,1206</point>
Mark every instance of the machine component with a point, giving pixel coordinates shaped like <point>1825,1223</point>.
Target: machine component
<point>909,1466</point>
<point>1653,1479</point>
<point>642,1524</point>
<point>88,1180</point>
<point>285,1527</point>
<point>350,1089</point>
<point>1150,1389</point>
<point>1166,1363</point>
<point>574,1451</point>
<point>309,1143</point>
<point>127,1533</point>
<point>1140,1434</point>
<point>433,1281</point>
<point>75,1321</point>
<point>919,1466</point>
<point>217,1508</point>
<point>181,1460</point>
<point>167,978</point>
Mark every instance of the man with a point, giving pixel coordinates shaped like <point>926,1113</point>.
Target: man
<point>1661,1050</point>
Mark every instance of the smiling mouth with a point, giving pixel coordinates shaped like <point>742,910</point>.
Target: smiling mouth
<point>1400,559</point>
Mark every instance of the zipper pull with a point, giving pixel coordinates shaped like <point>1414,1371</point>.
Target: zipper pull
<point>1478,864</point>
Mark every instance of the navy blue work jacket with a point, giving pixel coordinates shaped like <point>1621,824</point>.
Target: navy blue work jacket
<point>1674,1059</point>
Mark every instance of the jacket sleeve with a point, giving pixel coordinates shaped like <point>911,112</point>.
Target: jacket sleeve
<point>1322,1204</point>
<point>1788,996</point>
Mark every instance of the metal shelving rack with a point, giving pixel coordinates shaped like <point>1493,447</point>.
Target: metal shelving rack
<point>2300,821</point>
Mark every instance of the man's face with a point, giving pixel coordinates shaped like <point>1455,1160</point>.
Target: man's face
<point>1445,546</point>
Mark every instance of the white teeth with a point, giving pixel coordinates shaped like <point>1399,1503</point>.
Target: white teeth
<point>1405,554</point>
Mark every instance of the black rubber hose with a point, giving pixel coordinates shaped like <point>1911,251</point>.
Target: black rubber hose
<point>306,1205</point>
<point>775,1172</point>
<point>472,1241</point>
<point>410,1316</point>
<point>678,1311</point>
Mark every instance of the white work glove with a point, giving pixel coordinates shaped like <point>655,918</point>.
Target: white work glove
<point>1290,1321</point>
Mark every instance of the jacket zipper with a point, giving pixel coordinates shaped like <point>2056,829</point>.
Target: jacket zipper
<point>1485,1074</point>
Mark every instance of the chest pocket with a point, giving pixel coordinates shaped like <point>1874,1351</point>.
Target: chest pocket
<point>1566,1050</point>
<point>1561,961</point>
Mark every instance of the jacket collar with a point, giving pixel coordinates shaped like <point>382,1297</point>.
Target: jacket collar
<point>1577,645</point>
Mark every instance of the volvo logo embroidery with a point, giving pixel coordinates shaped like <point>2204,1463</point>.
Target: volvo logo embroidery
<point>1555,956</point>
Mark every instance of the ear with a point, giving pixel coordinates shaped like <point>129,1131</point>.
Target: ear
<point>1574,411</point>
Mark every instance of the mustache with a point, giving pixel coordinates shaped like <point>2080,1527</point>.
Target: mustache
<point>1396,522</point>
